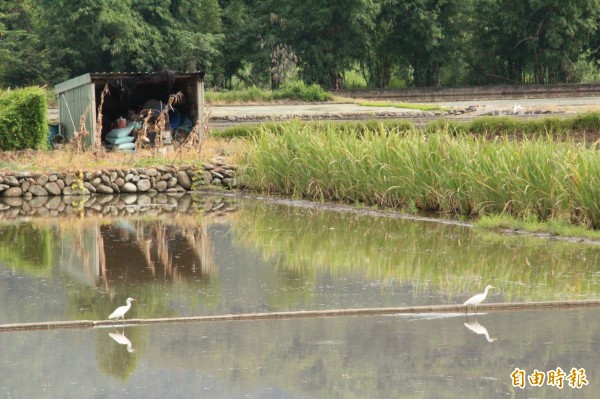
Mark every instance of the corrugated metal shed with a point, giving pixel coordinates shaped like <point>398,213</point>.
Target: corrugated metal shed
<point>128,91</point>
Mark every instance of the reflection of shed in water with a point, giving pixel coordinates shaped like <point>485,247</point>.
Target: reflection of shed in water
<point>142,251</point>
<point>129,94</point>
<point>135,251</point>
<point>78,253</point>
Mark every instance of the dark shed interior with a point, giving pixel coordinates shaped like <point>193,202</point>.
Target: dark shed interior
<point>131,99</point>
<point>130,93</point>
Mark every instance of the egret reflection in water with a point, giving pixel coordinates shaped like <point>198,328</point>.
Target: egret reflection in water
<point>479,329</point>
<point>121,339</point>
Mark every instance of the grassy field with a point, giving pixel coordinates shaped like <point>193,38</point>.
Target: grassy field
<point>583,126</point>
<point>297,91</point>
<point>535,178</point>
<point>493,125</point>
<point>352,128</point>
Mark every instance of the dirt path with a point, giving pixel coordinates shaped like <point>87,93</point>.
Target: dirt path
<point>303,109</point>
<point>578,104</point>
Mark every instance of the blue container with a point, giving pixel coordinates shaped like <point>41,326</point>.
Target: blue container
<point>174,116</point>
<point>52,131</point>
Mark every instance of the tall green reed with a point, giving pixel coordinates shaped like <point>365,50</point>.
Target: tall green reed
<point>448,171</point>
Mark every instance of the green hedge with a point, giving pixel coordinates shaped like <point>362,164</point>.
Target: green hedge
<point>293,91</point>
<point>23,119</point>
<point>300,91</point>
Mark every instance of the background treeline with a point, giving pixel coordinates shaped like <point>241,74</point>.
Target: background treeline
<point>335,43</point>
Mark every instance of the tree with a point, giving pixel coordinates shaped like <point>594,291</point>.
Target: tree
<point>380,55</point>
<point>69,31</point>
<point>128,35</point>
<point>426,32</point>
<point>253,41</point>
<point>233,20</point>
<point>595,43</point>
<point>127,42</point>
<point>23,60</point>
<point>196,37</point>
<point>531,41</point>
<point>264,42</point>
<point>561,35</point>
<point>327,37</point>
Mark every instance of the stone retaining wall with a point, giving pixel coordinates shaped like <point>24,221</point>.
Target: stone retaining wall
<point>152,180</point>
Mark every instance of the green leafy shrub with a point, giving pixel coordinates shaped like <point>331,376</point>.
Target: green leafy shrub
<point>300,91</point>
<point>589,122</point>
<point>23,119</point>
<point>250,94</point>
<point>296,91</point>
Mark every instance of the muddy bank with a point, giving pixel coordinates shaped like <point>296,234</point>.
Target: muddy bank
<point>333,116</point>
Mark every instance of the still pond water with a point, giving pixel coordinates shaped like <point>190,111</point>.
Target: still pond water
<point>223,255</point>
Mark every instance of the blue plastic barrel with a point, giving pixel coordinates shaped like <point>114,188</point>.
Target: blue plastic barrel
<point>52,131</point>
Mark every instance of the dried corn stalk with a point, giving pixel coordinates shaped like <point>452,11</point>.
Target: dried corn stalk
<point>161,120</point>
<point>77,141</point>
<point>196,137</point>
<point>98,138</point>
<point>142,136</point>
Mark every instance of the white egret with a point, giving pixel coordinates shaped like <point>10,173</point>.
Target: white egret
<point>121,310</point>
<point>477,299</point>
<point>517,109</point>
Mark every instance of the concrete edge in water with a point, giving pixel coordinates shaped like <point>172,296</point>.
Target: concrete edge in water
<point>454,308</point>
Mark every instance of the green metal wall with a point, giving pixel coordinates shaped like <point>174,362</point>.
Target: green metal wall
<point>74,98</point>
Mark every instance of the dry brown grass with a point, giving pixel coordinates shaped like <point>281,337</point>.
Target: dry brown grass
<point>69,160</point>
<point>77,141</point>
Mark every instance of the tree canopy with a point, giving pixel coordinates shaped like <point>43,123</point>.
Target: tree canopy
<point>265,42</point>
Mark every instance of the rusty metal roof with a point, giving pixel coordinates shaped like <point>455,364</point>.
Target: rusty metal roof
<point>141,76</point>
<point>116,75</point>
